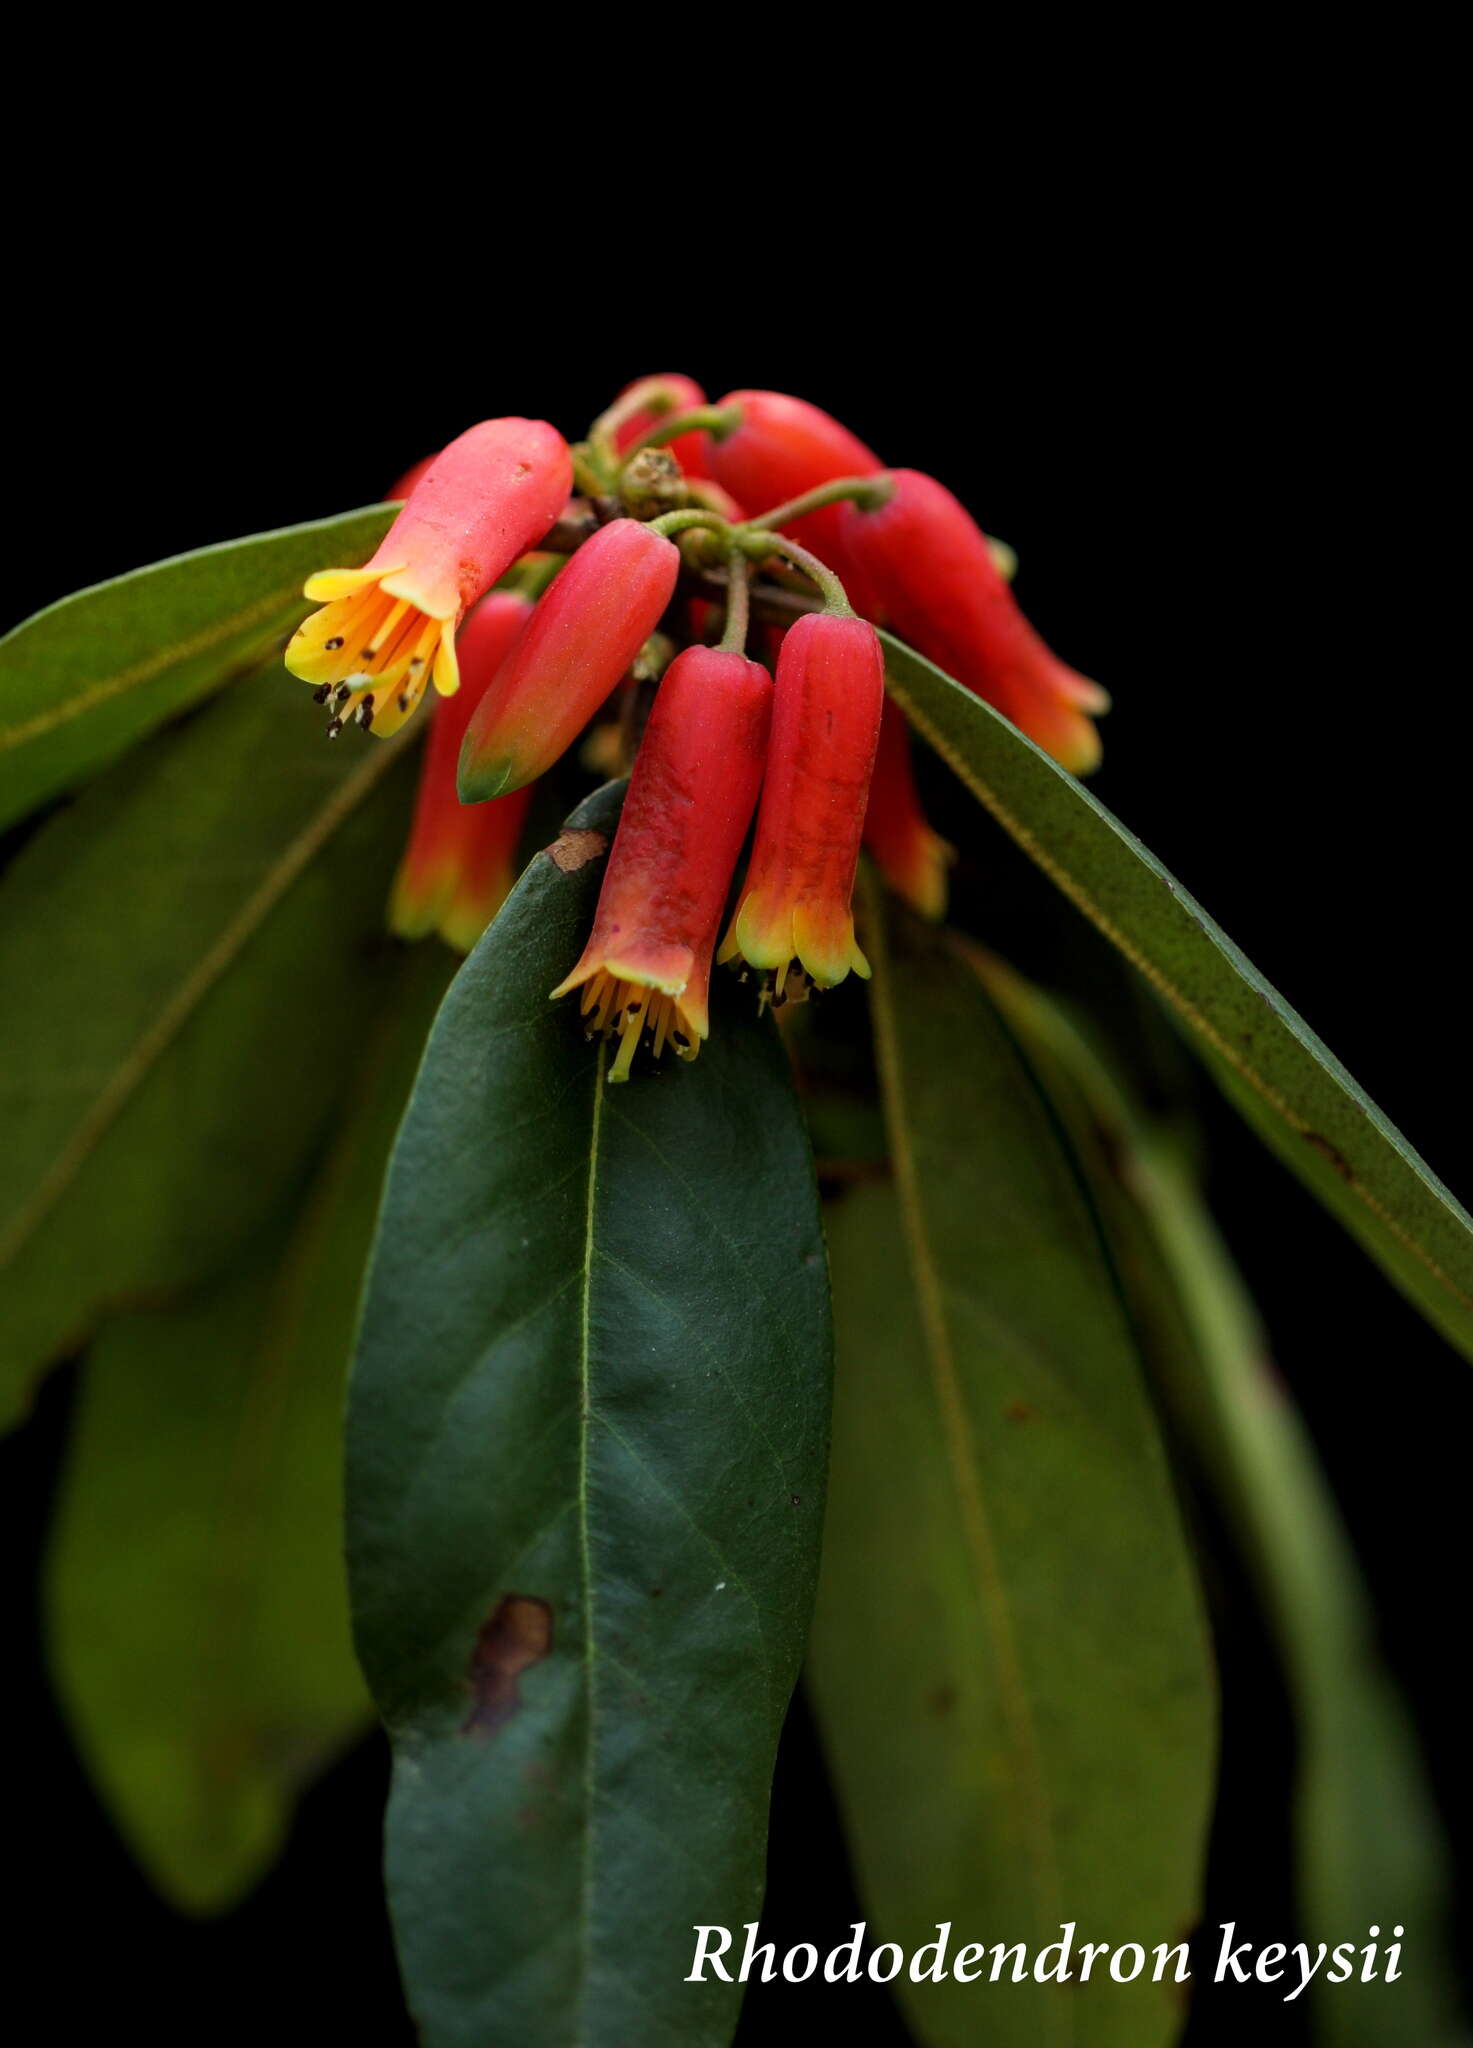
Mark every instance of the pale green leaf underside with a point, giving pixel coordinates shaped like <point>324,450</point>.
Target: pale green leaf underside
<point>1289,1085</point>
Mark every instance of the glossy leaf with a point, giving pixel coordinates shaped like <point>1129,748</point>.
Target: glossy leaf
<point>196,1609</point>
<point>1289,1086</point>
<point>187,954</point>
<point>1369,1847</point>
<point>586,1445</point>
<point>1008,1658</point>
<point>84,679</point>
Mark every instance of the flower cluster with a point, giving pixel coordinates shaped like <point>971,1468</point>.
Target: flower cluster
<point>668,508</point>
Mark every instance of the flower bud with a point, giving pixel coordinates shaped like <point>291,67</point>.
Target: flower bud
<point>459,865</point>
<point>646,968</point>
<point>588,626</point>
<point>795,904</point>
<point>926,563</point>
<point>912,858</point>
<point>783,447</point>
<point>387,628</point>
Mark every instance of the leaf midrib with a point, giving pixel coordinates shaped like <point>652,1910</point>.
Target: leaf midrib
<point>962,1453</point>
<point>170,1019</point>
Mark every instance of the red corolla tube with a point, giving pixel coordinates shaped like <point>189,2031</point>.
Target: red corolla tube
<point>387,628</point>
<point>796,901</point>
<point>459,865</point>
<point>587,628</point>
<point>645,972</point>
<point>927,564</point>
<point>912,858</point>
<point>783,447</point>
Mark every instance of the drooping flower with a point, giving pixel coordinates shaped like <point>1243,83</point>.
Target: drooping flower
<point>647,965</point>
<point>796,901</point>
<point>912,858</point>
<point>923,559</point>
<point>783,447</point>
<point>386,629</point>
<point>587,629</point>
<point>459,865</point>
<point>667,393</point>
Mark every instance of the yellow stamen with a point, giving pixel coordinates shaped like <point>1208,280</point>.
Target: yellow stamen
<point>370,655</point>
<point>613,1005</point>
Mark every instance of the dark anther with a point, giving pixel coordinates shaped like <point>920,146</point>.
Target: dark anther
<point>335,728</point>
<point>321,694</point>
<point>334,644</point>
<point>369,653</point>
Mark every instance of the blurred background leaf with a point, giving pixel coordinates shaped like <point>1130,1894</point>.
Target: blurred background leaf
<point>84,679</point>
<point>1009,1658</point>
<point>197,1610</point>
<point>1291,1087</point>
<point>1368,1844</point>
<point>586,1443</point>
<point>188,954</point>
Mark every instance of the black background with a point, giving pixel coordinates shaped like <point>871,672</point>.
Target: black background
<point>1216,440</point>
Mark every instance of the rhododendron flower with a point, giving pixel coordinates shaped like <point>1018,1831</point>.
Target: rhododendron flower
<point>459,865</point>
<point>924,560</point>
<point>795,904</point>
<point>912,858</point>
<point>386,629</point>
<point>784,447</point>
<point>586,630</point>
<point>646,968</point>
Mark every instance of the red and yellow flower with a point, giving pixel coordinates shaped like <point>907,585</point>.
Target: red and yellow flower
<point>460,862</point>
<point>912,858</point>
<point>646,969</point>
<point>926,564</point>
<point>388,629</point>
<point>587,628</point>
<point>796,901</point>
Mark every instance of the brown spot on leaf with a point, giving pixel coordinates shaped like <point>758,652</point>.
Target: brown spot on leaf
<point>574,849</point>
<point>1019,1411</point>
<point>1328,1152</point>
<point>516,1635</point>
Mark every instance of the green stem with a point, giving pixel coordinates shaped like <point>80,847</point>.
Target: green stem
<point>868,492</point>
<point>738,604</point>
<point>707,419</point>
<point>755,542</point>
<point>671,523</point>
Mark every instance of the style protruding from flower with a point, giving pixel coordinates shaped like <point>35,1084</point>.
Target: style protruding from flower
<point>645,972</point>
<point>587,629</point>
<point>387,629</point>
<point>924,561</point>
<point>796,901</point>
<point>460,862</point>
<point>912,858</point>
<point>782,448</point>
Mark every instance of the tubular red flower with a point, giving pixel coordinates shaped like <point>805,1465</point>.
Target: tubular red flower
<point>924,559</point>
<point>459,864</point>
<point>825,727</point>
<point>912,858</point>
<point>783,447</point>
<point>681,394</point>
<point>587,628</point>
<point>386,628</point>
<point>647,965</point>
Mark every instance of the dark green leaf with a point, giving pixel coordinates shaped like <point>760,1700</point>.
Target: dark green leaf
<point>196,1608</point>
<point>1008,1658</point>
<point>1369,1846</point>
<point>586,1445</point>
<point>85,678</point>
<point>186,957</point>
<point>1290,1087</point>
